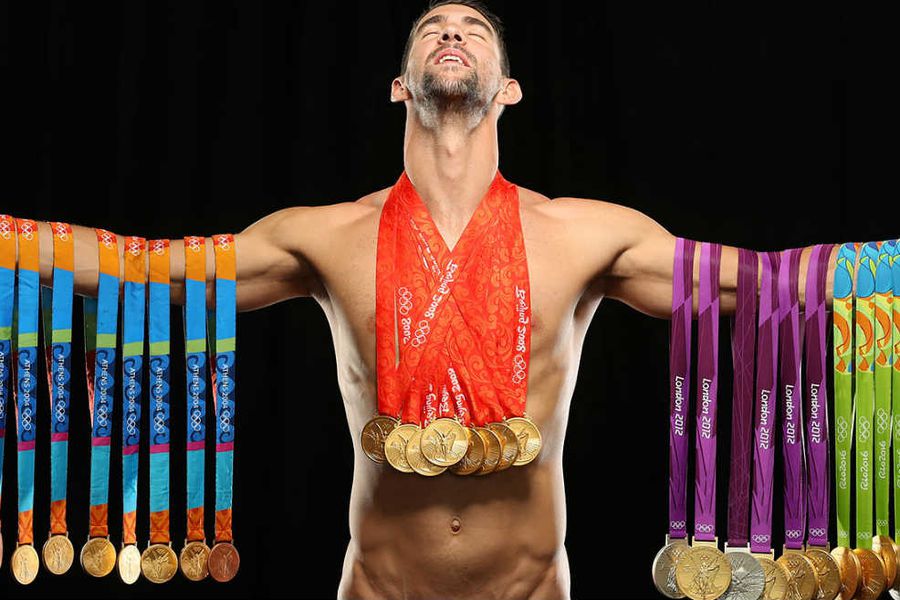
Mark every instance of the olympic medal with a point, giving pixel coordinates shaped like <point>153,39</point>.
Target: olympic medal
<point>871,580</point>
<point>510,446</point>
<point>373,435</point>
<point>417,461</point>
<point>224,561</point>
<point>493,449</point>
<point>828,574</point>
<point>58,554</point>
<point>850,570</point>
<point>25,563</point>
<point>129,563</point>
<point>473,458</point>
<point>395,446</point>
<point>159,563</point>
<point>703,573</point>
<point>529,439</point>
<point>802,583</point>
<point>194,560</point>
<point>776,584</point>
<point>98,557</point>
<point>444,442</point>
<point>747,577</point>
<point>895,589</point>
<point>664,568</point>
<point>883,547</point>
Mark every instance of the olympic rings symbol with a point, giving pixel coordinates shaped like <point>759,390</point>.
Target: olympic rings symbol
<point>421,333</point>
<point>196,420</point>
<point>519,366</point>
<point>102,415</point>
<point>60,412</point>
<point>705,528</point>
<point>135,246</point>
<point>106,238</point>
<point>193,243</point>
<point>62,231</point>
<point>865,428</point>
<point>159,247</point>
<point>225,420</point>
<point>841,429</point>
<point>159,422</point>
<point>404,301</point>
<point>5,228</point>
<point>884,421</point>
<point>26,418</point>
<point>222,241</point>
<point>130,423</point>
<point>793,534</point>
<point>27,230</point>
<point>676,525</point>
<point>761,538</point>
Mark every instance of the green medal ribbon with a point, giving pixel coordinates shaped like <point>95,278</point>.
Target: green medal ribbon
<point>884,300</point>
<point>864,397</point>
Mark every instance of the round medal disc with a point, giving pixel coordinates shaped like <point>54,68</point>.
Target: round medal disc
<point>664,568</point>
<point>703,573</point>
<point>58,554</point>
<point>895,589</point>
<point>473,458</point>
<point>493,449</point>
<point>828,574</point>
<point>417,462</point>
<point>883,547</point>
<point>747,577</point>
<point>159,563</point>
<point>395,446</point>
<point>776,584</point>
<point>98,557</point>
<point>802,582</point>
<point>529,438</point>
<point>871,580</point>
<point>510,444</point>
<point>224,561</point>
<point>129,563</point>
<point>25,563</point>
<point>194,560</point>
<point>850,570</point>
<point>444,442</point>
<point>373,435</point>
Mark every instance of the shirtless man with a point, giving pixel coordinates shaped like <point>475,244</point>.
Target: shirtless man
<point>500,536</point>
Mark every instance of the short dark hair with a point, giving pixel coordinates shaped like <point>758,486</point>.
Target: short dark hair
<point>477,5</point>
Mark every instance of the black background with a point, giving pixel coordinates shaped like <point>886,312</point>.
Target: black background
<point>748,125</point>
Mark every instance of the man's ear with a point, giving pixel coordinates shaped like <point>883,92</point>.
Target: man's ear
<point>510,92</point>
<point>399,91</point>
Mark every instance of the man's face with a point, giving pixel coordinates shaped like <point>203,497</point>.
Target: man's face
<point>454,62</point>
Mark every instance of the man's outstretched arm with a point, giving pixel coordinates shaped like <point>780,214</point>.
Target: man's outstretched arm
<point>272,259</point>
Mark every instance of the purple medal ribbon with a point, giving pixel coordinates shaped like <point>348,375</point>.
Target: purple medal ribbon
<point>764,418</point>
<point>816,396</point>
<point>707,384</point>
<point>679,384</point>
<point>743,351</point>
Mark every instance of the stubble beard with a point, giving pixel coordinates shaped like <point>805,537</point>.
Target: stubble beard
<point>439,100</point>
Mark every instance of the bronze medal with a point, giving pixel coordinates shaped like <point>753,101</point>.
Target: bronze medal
<point>510,446</point>
<point>224,561</point>
<point>58,554</point>
<point>98,557</point>
<point>703,572</point>
<point>159,563</point>
<point>828,574</point>
<point>871,580</point>
<point>194,560</point>
<point>25,563</point>
<point>776,578</point>
<point>493,449</point>
<point>395,446</point>
<point>529,438</point>
<point>417,461</point>
<point>444,442</point>
<point>883,547</point>
<point>373,435</point>
<point>802,581</point>
<point>850,570</point>
<point>664,568</point>
<point>129,563</point>
<point>473,458</point>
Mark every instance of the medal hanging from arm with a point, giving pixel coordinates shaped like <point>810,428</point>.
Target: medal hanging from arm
<point>24,561</point>
<point>158,560</point>
<point>828,573</point>
<point>98,555</point>
<point>679,408</point>
<point>195,551</point>
<point>56,303</point>
<point>129,562</point>
<point>8,253</point>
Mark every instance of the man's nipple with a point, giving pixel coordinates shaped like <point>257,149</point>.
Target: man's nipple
<point>455,525</point>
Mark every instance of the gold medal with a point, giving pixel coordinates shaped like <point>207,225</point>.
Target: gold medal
<point>373,435</point>
<point>664,567</point>
<point>158,562</point>
<point>895,593</point>
<point>444,442</point>
<point>850,570</point>
<point>871,580</point>
<point>194,560</point>
<point>473,458</point>
<point>883,547</point>
<point>510,446</point>
<point>703,572</point>
<point>224,561</point>
<point>98,557</point>
<point>493,449</point>
<point>129,563</point>
<point>58,554</point>
<point>529,439</point>
<point>828,574</point>
<point>25,563</point>
<point>417,461</point>
<point>395,446</point>
<point>802,581</point>
<point>776,578</point>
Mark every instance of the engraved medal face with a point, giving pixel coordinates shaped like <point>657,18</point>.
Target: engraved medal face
<point>883,547</point>
<point>473,458</point>
<point>802,583</point>
<point>828,574</point>
<point>510,446</point>
<point>493,448</point>
<point>373,435</point>
<point>395,446</point>
<point>664,568</point>
<point>703,573</point>
<point>58,554</point>
<point>129,564</point>
<point>25,564</point>
<point>98,557</point>
<point>419,463</point>
<point>871,581</point>
<point>159,563</point>
<point>444,442</point>
<point>529,439</point>
<point>224,562</point>
<point>747,577</point>
<point>776,579</point>
<point>194,561</point>
<point>849,568</point>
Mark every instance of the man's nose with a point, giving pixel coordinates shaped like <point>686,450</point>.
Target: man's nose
<point>451,34</point>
